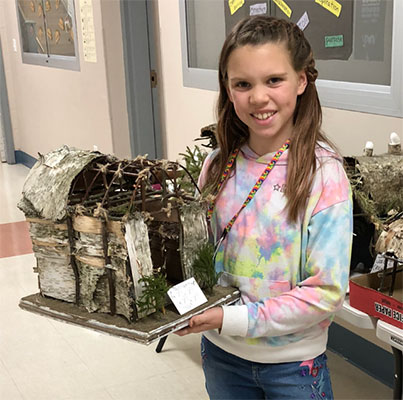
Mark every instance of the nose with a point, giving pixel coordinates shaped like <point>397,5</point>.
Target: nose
<point>259,95</point>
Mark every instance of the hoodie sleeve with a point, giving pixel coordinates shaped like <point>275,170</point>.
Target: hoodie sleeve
<point>324,269</point>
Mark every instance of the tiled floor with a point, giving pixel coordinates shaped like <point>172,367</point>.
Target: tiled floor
<point>42,359</point>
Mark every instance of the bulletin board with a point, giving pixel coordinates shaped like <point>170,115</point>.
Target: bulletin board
<point>330,32</point>
<point>46,27</point>
<point>327,24</point>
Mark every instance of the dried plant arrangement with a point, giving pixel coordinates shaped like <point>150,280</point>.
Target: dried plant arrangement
<point>194,157</point>
<point>209,133</point>
<point>377,184</point>
<point>391,239</point>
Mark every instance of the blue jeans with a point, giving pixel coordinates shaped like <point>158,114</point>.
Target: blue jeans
<point>230,377</point>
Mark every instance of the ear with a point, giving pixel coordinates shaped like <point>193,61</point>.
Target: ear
<point>302,82</point>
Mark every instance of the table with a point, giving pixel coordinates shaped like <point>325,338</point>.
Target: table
<point>388,333</point>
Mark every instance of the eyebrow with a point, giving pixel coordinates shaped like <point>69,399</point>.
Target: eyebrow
<point>279,75</point>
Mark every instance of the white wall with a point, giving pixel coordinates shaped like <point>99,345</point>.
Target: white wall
<point>51,107</point>
<point>187,110</point>
<point>351,130</point>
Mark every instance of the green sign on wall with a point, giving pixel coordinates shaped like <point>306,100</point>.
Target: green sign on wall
<point>334,41</point>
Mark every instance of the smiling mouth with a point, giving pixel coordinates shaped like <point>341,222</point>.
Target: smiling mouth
<point>264,116</point>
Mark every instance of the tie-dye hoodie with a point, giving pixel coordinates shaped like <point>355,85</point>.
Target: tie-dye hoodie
<point>292,276</point>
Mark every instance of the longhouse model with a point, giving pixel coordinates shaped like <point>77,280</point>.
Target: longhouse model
<point>99,224</point>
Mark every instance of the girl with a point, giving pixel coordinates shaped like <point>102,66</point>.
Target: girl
<point>281,221</point>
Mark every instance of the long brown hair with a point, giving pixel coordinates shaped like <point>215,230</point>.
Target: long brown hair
<point>232,133</point>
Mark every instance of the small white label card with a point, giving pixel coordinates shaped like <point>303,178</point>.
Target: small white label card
<point>303,21</point>
<point>379,264</point>
<point>258,9</point>
<point>186,296</point>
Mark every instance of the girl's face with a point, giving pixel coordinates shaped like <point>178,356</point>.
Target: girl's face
<point>263,87</point>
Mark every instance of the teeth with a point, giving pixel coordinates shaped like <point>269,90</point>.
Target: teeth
<point>263,116</point>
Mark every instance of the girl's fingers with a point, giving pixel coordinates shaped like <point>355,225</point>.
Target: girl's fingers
<point>182,332</point>
<point>197,320</point>
<point>210,319</point>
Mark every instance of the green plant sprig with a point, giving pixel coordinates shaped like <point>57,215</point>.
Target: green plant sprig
<point>155,288</point>
<point>193,161</point>
<point>204,268</point>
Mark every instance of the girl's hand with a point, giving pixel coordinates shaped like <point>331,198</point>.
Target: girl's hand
<point>210,319</point>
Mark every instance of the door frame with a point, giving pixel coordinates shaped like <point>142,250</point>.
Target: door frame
<point>139,49</point>
<point>5,119</point>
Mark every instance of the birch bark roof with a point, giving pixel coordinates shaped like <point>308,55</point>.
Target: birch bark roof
<point>47,187</point>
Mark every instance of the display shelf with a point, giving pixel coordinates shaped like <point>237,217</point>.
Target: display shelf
<point>390,334</point>
<point>356,317</point>
<point>394,337</point>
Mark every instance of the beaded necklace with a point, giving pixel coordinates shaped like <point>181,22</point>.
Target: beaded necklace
<point>256,187</point>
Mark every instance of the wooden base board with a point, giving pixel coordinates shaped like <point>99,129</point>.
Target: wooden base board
<point>146,331</point>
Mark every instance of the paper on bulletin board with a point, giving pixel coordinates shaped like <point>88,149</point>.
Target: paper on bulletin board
<point>88,31</point>
<point>235,5</point>
<point>249,7</point>
<point>331,5</point>
<point>283,6</point>
<point>334,41</point>
<point>303,22</point>
<point>258,9</point>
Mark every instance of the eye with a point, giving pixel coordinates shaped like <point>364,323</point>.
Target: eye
<point>242,85</point>
<point>274,81</point>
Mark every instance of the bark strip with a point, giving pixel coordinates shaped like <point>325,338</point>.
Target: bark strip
<point>72,258</point>
<point>109,271</point>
